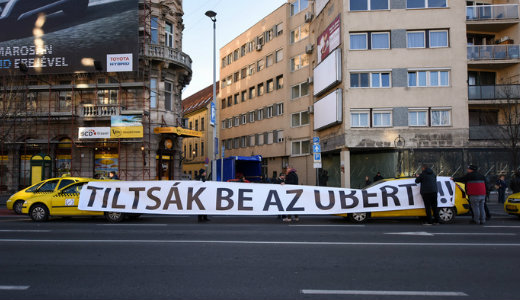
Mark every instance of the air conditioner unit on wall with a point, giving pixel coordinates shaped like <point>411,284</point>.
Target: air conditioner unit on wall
<point>309,48</point>
<point>258,47</point>
<point>308,17</point>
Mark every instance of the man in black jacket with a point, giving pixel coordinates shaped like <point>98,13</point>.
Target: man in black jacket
<point>428,181</point>
<point>291,178</point>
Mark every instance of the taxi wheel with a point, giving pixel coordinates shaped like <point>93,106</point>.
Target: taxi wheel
<point>114,217</point>
<point>446,215</point>
<point>17,207</point>
<point>358,217</point>
<point>39,213</point>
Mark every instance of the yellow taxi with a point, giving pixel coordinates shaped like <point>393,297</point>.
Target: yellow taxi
<point>512,205</point>
<point>64,203</point>
<point>44,187</point>
<point>446,214</point>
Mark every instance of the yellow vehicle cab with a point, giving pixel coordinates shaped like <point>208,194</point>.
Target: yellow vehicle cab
<point>512,205</point>
<point>44,187</point>
<point>64,203</point>
<point>446,214</point>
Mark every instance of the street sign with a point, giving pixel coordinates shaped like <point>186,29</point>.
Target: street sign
<point>316,148</point>
<point>317,165</point>
<point>316,140</point>
<point>317,157</point>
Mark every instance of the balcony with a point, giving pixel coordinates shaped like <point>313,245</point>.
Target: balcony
<point>493,54</point>
<point>488,132</point>
<point>491,18</point>
<point>164,53</point>
<point>494,92</point>
<point>98,111</point>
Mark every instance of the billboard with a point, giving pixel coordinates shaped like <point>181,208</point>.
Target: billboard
<point>328,73</point>
<point>94,133</point>
<point>69,36</point>
<point>329,39</point>
<point>126,127</point>
<point>328,111</point>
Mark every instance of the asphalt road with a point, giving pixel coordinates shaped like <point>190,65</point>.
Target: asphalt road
<point>160,257</point>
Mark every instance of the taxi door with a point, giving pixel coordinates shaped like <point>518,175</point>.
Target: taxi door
<point>65,202</point>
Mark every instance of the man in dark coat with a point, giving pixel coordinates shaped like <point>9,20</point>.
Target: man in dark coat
<point>476,189</point>
<point>428,181</point>
<point>378,177</point>
<point>291,178</point>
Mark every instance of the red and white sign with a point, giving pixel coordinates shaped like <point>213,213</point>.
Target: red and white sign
<point>329,39</point>
<point>120,62</point>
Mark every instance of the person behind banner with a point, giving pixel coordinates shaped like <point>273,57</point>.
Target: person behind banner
<point>202,177</point>
<point>429,190</point>
<point>112,175</point>
<point>378,177</point>
<point>367,181</point>
<point>501,188</point>
<point>291,178</point>
<point>476,189</point>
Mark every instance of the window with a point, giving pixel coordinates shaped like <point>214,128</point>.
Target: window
<point>279,55</point>
<point>168,91</point>
<point>260,89</point>
<point>236,143</point>
<point>202,148</point>
<point>236,98</point>
<point>168,35</point>
<point>300,90</point>
<point>269,60</point>
<point>438,38</point>
<point>269,112</point>
<point>279,82</point>
<point>269,35</point>
<point>202,124</point>
<point>362,5</point>
<point>153,92</point>
<point>380,40</point>
<point>300,33</point>
<point>154,30</point>
<point>251,69</point>
<point>223,63</point>
<point>196,125</point>
<point>428,78</point>
<point>358,41</point>
<point>260,65</point>
<point>196,150</point>
<point>230,123</point>
<point>229,80</point>
<point>301,147</point>
<point>224,124</point>
<point>236,76</point>
<point>260,39</point>
<point>244,119</point>
<point>298,5</point>
<point>279,109</point>
<point>251,116</point>
<point>252,140</point>
<point>441,117</point>
<point>230,101</point>
<point>243,142</point>
<point>300,119</point>
<point>64,183</point>
<point>229,57</point>
<point>270,85</point>
<point>252,92</point>
<point>260,115</point>
<point>191,125</point>
<point>243,73</point>
<point>243,50</point>
<point>279,29</point>
<point>381,118</point>
<point>244,95</point>
<point>236,121</point>
<point>418,118</point>
<point>299,61</point>
<point>360,119</point>
<point>415,39</point>
<point>372,80</point>
<point>425,3</point>
<point>236,55</point>
<point>223,105</point>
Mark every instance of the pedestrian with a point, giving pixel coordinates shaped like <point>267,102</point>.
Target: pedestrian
<point>324,178</point>
<point>476,191</point>
<point>378,177</point>
<point>515,183</point>
<point>291,178</point>
<point>501,186</point>
<point>367,181</point>
<point>112,175</point>
<point>428,181</point>
<point>280,180</point>
<point>202,177</point>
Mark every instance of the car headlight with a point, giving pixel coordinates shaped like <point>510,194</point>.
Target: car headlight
<point>513,200</point>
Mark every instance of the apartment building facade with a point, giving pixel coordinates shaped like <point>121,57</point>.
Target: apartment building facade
<point>48,114</point>
<point>265,92</point>
<point>198,151</point>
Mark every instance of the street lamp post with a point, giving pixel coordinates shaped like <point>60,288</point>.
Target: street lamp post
<point>213,16</point>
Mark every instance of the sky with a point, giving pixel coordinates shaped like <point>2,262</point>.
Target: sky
<point>233,18</point>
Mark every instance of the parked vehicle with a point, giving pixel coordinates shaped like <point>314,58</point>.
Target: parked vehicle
<point>250,167</point>
<point>512,205</point>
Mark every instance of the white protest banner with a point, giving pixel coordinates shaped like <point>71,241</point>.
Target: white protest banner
<point>231,198</point>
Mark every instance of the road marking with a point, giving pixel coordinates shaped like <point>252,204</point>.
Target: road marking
<point>298,225</point>
<point>117,225</point>
<point>14,287</point>
<point>22,230</point>
<point>424,233</point>
<point>262,243</point>
<point>384,293</point>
